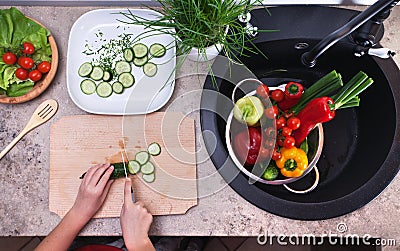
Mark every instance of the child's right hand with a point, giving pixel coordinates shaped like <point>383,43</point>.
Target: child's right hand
<point>135,222</point>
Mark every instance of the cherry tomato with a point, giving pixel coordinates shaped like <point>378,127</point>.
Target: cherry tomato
<point>280,123</point>
<point>269,144</point>
<point>288,114</point>
<point>276,155</point>
<point>280,140</point>
<point>28,48</point>
<point>9,58</point>
<point>293,123</point>
<point>286,131</point>
<point>262,91</point>
<point>264,154</point>
<point>277,95</point>
<point>21,74</point>
<point>44,67</point>
<point>270,132</point>
<point>271,112</point>
<point>35,75</point>
<point>289,142</point>
<point>26,62</point>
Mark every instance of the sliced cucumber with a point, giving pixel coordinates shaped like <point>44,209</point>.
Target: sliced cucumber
<point>128,55</point>
<point>150,69</point>
<point>88,86</point>
<point>140,50</point>
<point>126,79</point>
<point>104,89</point>
<point>149,177</point>
<point>142,157</point>
<point>107,76</point>
<point>117,87</point>
<point>154,149</point>
<point>85,69</point>
<point>133,167</point>
<point>97,73</point>
<point>157,50</point>
<point>122,66</point>
<point>147,168</point>
<point>140,61</point>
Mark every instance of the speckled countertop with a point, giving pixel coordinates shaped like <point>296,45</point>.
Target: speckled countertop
<point>24,171</point>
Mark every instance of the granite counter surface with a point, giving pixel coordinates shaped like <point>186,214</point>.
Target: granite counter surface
<point>24,172</point>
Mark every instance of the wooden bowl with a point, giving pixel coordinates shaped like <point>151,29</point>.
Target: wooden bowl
<point>42,85</point>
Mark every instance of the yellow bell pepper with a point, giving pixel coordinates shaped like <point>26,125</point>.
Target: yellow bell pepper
<point>293,162</point>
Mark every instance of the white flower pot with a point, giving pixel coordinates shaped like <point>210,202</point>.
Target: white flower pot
<point>205,54</point>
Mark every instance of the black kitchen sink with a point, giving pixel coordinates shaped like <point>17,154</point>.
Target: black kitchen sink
<point>361,149</point>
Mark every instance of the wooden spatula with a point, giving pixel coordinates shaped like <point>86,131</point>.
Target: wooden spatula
<point>44,112</point>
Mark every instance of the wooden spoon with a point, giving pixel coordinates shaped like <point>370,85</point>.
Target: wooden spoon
<point>44,112</point>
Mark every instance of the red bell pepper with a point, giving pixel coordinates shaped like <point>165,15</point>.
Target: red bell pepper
<point>247,146</point>
<point>318,110</point>
<point>293,92</point>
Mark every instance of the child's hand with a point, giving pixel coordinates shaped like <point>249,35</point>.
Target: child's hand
<point>135,222</point>
<point>93,191</point>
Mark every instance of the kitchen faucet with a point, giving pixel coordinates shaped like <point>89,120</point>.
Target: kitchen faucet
<point>365,26</point>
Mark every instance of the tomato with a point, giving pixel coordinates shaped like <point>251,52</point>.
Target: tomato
<point>35,75</point>
<point>44,67</point>
<point>9,58</point>
<point>21,74</point>
<point>28,48</point>
<point>262,91</point>
<point>280,140</point>
<point>289,142</point>
<point>270,133</point>
<point>293,123</point>
<point>269,144</point>
<point>26,62</point>
<point>276,155</point>
<point>286,131</point>
<point>277,95</point>
<point>271,112</point>
<point>280,123</point>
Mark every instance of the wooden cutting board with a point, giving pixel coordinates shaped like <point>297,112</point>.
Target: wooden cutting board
<point>78,142</point>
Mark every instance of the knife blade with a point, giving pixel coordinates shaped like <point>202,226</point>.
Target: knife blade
<point>126,175</point>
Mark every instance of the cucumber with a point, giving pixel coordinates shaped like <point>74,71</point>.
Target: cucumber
<point>140,50</point>
<point>142,157</point>
<point>126,79</point>
<point>149,177</point>
<point>128,54</point>
<point>97,73</point>
<point>157,50</point>
<point>154,149</point>
<point>118,172</point>
<point>104,90</point>
<point>140,61</point>
<point>133,167</point>
<point>150,69</point>
<point>88,86</point>
<point>107,76</point>
<point>147,168</point>
<point>122,66</point>
<point>85,69</point>
<point>117,87</point>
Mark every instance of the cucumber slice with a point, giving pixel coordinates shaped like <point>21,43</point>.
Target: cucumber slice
<point>157,50</point>
<point>128,55</point>
<point>154,149</point>
<point>149,177</point>
<point>107,76</point>
<point>88,86</point>
<point>147,168</point>
<point>150,69</point>
<point>142,157</point>
<point>104,89</point>
<point>85,69</point>
<point>140,50</point>
<point>117,87</point>
<point>97,73</point>
<point>126,79</point>
<point>133,167</point>
<point>122,66</point>
<point>140,61</point>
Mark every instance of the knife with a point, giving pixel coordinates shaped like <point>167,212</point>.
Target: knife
<point>126,175</point>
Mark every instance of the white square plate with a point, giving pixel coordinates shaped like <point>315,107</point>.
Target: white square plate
<point>148,94</point>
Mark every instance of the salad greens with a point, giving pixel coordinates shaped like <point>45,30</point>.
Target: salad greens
<point>16,29</point>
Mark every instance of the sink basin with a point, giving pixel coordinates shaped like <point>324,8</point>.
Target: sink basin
<point>361,148</point>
